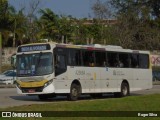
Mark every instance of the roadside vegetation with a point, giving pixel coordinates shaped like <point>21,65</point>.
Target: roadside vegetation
<point>133,24</point>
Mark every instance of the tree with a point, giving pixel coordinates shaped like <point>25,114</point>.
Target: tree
<point>49,23</point>
<point>134,28</point>
<point>6,20</point>
<point>66,28</point>
<point>32,18</point>
<point>101,10</point>
<point>155,7</point>
<point>102,13</point>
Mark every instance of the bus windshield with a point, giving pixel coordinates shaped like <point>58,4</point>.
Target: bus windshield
<point>34,64</point>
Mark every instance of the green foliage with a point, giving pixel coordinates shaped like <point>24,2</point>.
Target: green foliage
<point>48,23</point>
<point>137,26</point>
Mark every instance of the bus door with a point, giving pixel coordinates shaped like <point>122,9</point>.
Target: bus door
<point>88,62</point>
<point>60,69</point>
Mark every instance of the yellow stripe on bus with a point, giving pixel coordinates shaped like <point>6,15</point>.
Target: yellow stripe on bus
<point>95,76</point>
<point>32,84</point>
<point>72,46</point>
<point>150,64</point>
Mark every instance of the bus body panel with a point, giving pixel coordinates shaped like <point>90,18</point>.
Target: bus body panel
<point>142,79</point>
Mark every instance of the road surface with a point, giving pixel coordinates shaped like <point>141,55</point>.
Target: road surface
<point>9,97</point>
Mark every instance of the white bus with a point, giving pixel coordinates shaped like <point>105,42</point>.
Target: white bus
<point>48,69</point>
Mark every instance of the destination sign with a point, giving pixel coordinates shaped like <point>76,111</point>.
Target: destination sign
<point>34,48</point>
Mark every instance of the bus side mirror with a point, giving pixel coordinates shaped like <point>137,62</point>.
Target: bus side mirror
<point>13,61</point>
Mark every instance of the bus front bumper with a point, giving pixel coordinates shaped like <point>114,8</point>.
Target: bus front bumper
<point>36,90</point>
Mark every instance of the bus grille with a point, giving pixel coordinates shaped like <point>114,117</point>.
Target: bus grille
<point>34,89</point>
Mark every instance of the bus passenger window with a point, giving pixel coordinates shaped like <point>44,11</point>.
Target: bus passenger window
<point>123,60</point>
<point>100,59</point>
<point>74,58</point>
<point>88,58</point>
<point>112,59</point>
<point>134,61</point>
<point>144,61</point>
<point>78,58</point>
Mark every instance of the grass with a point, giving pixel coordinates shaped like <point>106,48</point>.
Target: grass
<point>131,103</point>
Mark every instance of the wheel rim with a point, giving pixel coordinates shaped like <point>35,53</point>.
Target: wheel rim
<point>74,92</point>
<point>125,90</point>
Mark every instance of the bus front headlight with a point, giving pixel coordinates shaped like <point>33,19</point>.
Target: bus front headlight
<point>17,84</point>
<point>48,83</point>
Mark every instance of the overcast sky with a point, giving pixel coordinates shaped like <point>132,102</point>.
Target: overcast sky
<point>76,8</point>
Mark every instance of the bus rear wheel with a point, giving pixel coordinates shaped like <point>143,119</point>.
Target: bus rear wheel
<point>74,92</point>
<point>124,90</point>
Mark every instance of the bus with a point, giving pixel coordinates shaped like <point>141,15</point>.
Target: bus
<point>50,69</point>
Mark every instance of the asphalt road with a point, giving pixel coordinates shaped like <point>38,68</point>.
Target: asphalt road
<point>9,97</point>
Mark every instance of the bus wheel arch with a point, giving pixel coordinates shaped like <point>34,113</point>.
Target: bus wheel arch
<point>75,90</point>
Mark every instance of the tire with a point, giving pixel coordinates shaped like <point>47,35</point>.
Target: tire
<point>75,92</point>
<point>124,90</point>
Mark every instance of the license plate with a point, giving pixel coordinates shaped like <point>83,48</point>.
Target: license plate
<point>31,90</point>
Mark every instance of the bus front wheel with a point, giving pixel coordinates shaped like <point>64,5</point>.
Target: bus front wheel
<point>74,92</point>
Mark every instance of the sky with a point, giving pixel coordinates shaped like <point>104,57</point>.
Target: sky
<point>76,8</point>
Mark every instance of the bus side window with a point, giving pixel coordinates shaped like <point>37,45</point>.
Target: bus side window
<point>100,57</point>
<point>74,58</point>
<point>88,58</point>
<point>144,61</point>
<point>134,61</point>
<point>112,59</point>
<point>78,58</point>
<point>123,60</point>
